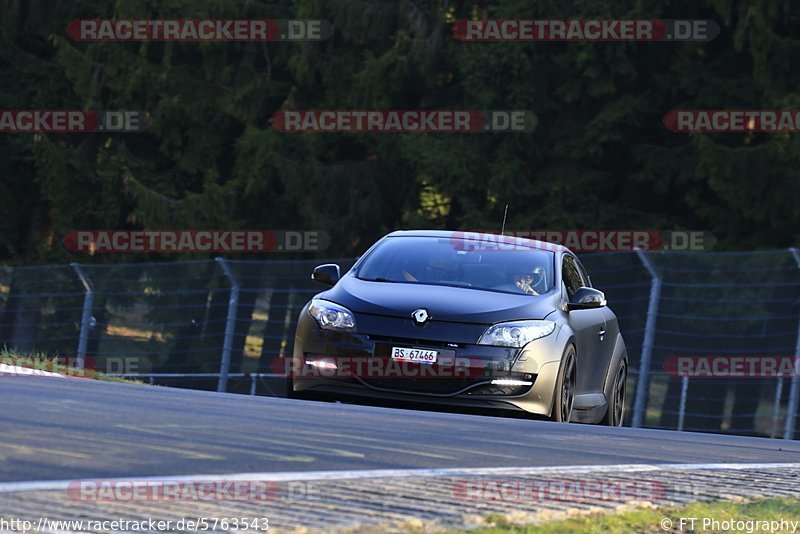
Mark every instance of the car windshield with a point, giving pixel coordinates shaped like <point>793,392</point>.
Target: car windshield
<point>459,262</point>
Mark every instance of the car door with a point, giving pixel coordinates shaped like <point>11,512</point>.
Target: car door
<point>607,341</point>
<point>589,327</point>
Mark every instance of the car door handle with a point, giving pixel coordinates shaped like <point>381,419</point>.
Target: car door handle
<point>601,333</point>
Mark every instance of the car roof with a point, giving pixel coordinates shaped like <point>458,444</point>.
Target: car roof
<point>479,236</point>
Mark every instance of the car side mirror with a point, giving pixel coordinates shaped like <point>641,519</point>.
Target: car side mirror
<point>327,274</point>
<point>586,298</point>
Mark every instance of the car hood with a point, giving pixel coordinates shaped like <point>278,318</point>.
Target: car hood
<point>443,303</point>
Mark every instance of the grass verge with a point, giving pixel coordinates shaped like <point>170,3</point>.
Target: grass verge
<point>54,364</point>
<point>752,516</point>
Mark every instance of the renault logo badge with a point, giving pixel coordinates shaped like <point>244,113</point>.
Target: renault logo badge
<point>420,316</point>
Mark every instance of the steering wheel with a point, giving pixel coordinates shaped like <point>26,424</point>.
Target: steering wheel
<point>539,283</point>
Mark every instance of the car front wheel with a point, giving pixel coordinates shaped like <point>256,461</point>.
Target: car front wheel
<point>564,397</point>
<point>616,403</point>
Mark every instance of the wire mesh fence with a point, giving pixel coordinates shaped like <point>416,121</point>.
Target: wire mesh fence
<point>185,323</point>
<point>707,305</point>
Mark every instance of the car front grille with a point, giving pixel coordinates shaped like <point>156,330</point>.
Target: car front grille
<point>434,386</point>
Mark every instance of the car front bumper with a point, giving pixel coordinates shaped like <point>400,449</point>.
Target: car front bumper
<point>462,376</point>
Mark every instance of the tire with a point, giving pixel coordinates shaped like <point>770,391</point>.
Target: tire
<point>289,387</point>
<point>615,414</point>
<point>564,394</point>
<point>289,367</point>
<point>290,393</point>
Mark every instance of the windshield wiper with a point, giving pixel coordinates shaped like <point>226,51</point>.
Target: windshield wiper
<point>379,279</point>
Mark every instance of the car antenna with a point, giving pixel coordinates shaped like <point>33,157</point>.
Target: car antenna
<point>503,229</point>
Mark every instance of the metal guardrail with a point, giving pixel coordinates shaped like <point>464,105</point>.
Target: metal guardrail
<point>153,376</point>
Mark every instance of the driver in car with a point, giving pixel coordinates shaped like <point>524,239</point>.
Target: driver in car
<point>527,281</point>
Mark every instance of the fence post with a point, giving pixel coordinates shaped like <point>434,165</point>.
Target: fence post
<point>776,408</point>
<point>230,324</point>
<point>682,408</point>
<point>794,388</point>
<point>642,382</point>
<point>86,316</point>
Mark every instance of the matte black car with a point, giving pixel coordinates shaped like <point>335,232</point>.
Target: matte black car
<point>467,320</point>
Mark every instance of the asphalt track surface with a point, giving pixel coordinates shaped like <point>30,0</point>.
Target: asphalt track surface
<point>59,429</point>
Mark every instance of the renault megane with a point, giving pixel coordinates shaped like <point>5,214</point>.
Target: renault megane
<point>464,319</point>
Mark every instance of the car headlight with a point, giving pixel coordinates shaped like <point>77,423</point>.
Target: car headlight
<point>516,333</point>
<point>331,316</point>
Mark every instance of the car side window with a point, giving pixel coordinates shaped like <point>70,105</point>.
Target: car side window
<point>571,275</point>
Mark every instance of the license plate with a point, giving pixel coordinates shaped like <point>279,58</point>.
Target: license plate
<point>414,355</point>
